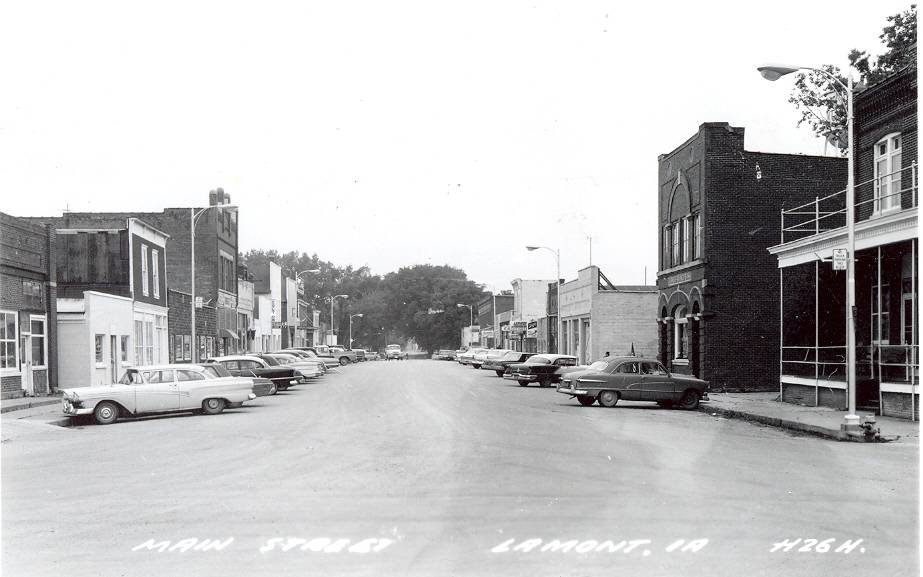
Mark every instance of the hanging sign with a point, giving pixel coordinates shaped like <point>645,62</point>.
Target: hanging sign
<point>840,256</point>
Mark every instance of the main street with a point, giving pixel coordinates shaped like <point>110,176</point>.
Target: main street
<point>430,468</point>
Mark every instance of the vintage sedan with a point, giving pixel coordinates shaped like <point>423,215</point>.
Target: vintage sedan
<point>467,357</point>
<point>320,354</point>
<point>282,377</point>
<point>308,369</point>
<point>305,357</point>
<point>633,379</point>
<point>543,369</point>
<point>499,364</point>
<point>160,389</point>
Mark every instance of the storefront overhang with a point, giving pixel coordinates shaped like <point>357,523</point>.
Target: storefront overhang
<point>870,233</point>
<point>228,334</point>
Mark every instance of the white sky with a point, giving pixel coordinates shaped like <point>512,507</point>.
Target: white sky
<point>393,133</point>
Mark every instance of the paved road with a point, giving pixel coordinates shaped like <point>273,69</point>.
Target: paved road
<point>429,468</point>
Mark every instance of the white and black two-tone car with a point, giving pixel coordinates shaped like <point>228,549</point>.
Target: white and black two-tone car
<point>282,376</point>
<point>544,369</point>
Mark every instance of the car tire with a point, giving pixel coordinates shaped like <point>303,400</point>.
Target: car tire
<point>545,382</point>
<point>273,389</point>
<point>476,366</point>
<point>523,383</point>
<point>344,360</point>
<point>689,400</point>
<point>282,387</point>
<point>586,400</point>
<point>106,413</point>
<point>608,398</point>
<point>213,406</point>
<point>499,373</point>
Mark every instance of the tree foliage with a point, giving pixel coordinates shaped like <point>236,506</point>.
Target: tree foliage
<point>395,308</point>
<point>821,100</point>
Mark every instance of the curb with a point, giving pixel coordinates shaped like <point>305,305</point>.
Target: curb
<point>30,405</point>
<point>779,423</point>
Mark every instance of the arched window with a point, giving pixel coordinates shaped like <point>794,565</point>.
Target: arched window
<point>680,333</point>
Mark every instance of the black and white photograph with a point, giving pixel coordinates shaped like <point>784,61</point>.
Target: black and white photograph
<point>459,289</point>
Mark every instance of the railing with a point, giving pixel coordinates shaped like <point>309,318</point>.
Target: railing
<point>898,364</point>
<point>829,212</point>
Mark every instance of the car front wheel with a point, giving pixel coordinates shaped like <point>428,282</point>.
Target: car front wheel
<point>344,360</point>
<point>106,413</point>
<point>608,398</point>
<point>499,373</point>
<point>212,406</point>
<point>523,383</point>
<point>586,400</point>
<point>690,400</point>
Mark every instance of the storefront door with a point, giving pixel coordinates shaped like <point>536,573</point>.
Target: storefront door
<point>28,384</point>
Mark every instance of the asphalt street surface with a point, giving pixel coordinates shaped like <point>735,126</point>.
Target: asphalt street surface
<point>430,468</point>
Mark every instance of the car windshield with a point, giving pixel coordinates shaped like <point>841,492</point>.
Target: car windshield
<point>271,361</point>
<point>511,356</point>
<point>539,360</point>
<point>598,366</point>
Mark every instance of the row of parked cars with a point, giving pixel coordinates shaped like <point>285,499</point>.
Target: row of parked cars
<point>208,387</point>
<point>605,381</point>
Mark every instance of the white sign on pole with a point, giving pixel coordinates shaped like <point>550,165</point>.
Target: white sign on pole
<point>198,302</point>
<point>840,256</point>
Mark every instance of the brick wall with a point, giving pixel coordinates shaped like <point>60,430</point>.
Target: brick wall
<point>620,320</point>
<point>742,196</point>
<point>899,405</point>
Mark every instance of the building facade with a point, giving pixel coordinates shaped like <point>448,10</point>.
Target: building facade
<point>529,305</point>
<point>28,305</point>
<point>488,308</point>
<point>813,353</point>
<point>126,262</point>
<point>599,317</point>
<point>718,212</point>
<point>269,308</point>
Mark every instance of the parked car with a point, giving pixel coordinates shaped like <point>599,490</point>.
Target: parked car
<point>544,369</point>
<point>282,377</point>
<point>499,363</point>
<point>309,369</point>
<point>372,356</point>
<point>344,355</point>
<point>633,379</point>
<point>480,357</point>
<point>445,355</point>
<point>305,357</point>
<point>322,354</point>
<point>160,389</point>
<point>394,352</point>
<point>467,357</point>
<point>492,355</point>
<point>360,354</point>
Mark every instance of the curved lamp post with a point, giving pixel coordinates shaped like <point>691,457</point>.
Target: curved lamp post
<point>774,72</point>
<point>333,332</point>
<point>557,281</point>
<point>193,220</point>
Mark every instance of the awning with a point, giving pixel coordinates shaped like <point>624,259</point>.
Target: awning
<point>228,334</point>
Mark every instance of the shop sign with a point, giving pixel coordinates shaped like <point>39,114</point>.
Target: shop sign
<point>679,278</point>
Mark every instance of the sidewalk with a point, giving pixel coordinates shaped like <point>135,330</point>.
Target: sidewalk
<point>764,408</point>
<point>7,405</point>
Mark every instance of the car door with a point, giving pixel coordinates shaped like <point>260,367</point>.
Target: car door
<point>189,384</point>
<point>658,386</point>
<point>627,380</point>
<point>158,393</point>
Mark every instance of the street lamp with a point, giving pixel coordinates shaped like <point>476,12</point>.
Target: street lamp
<point>351,328</point>
<point>774,72</point>
<point>557,280</point>
<point>193,219</point>
<point>470,319</point>
<point>333,332</point>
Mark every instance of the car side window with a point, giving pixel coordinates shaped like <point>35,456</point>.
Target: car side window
<point>189,376</point>
<point>231,365</point>
<point>631,367</point>
<point>213,371</point>
<point>131,378</point>
<point>160,376</point>
<point>649,368</point>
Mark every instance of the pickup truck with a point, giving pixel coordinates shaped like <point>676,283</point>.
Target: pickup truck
<point>345,356</point>
<point>395,352</point>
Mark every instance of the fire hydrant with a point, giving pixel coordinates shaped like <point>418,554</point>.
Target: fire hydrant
<point>872,433</point>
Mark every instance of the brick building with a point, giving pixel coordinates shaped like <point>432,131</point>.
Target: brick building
<point>28,311</point>
<point>599,317</point>
<point>112,301</point>
<point>813,307</point>
<point>718,212</point>
<point>215,269</point>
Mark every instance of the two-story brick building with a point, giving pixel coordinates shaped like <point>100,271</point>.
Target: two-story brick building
<point>813,310</point>
<point>215,234</point>
<point>28,311</point>
<point>112,301</point>
<point>600,317</point>
<point>718,212</point>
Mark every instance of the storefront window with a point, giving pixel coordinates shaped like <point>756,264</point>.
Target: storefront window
<point>38,341</point>
<point>680,334</point>
<point>9,349</point>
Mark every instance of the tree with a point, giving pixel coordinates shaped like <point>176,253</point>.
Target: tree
<point>820,99</point>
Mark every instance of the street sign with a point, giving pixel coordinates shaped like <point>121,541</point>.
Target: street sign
<point>198,302</point>
<point>840,256</point>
